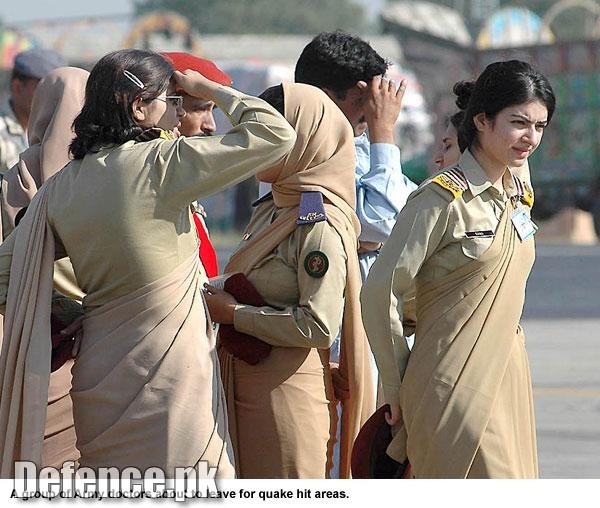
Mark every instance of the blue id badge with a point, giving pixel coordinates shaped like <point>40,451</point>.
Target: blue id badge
<point>523,224</point>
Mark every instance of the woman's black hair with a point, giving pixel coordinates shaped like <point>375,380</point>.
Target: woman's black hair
<point>500,85</point>
<point>274,96</point>
<point>116,81</point>
<point>456,119</point>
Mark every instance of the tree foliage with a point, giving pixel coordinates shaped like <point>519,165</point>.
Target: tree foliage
<point>263,16</point>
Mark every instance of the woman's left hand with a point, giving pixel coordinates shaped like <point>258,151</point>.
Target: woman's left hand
<point>220,304</point>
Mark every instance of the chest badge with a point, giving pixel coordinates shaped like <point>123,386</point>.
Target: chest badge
<point>316,264</point>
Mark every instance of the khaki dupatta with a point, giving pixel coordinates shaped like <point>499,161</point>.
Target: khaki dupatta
<point>57,100</point>
<point>467,327</point>
<point>26,348</point>
<point>322,160</point>
<point>146,385</point>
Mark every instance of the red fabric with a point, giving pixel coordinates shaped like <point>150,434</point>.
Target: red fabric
<point>243,346</point>
<point>208,255</point>
<point>185,61</point>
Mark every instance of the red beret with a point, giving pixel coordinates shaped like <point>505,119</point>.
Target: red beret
<point>184,61</point>
<point>369,459</point>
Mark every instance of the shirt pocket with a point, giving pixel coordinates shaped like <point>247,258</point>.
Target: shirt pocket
<point>474,247</point>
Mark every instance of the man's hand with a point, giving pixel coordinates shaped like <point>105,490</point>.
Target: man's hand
<point>382,107</point>
<point>220,304</point>
<point>195,84</point>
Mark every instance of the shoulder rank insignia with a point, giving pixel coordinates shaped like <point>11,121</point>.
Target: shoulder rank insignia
<point>311,208</point>
<point>524,190</point>
<point>316,264</point>
<point>452,180</point>
<point>155,133</point>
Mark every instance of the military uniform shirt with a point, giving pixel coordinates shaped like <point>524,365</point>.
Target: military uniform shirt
<point>304,310</point>
<point>436,233</point>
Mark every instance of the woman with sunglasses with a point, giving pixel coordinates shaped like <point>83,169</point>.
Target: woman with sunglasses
<point>146,388</point>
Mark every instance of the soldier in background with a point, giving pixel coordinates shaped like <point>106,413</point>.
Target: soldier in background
<point>29,68</point>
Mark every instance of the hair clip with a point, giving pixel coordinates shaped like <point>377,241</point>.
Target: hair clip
<point>134,79</point>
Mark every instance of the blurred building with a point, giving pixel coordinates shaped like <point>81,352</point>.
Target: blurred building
<point>432,45</point>
<point>255,62</point>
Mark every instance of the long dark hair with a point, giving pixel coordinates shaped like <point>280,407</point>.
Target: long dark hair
<point>106,117</point>
<point>500,85</point>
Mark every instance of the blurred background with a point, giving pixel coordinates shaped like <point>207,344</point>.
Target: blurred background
<point>433,44</point>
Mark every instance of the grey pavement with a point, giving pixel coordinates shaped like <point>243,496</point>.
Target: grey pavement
<point>562,327</point>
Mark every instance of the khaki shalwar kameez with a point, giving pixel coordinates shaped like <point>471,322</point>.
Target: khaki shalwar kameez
<point>465,388</point>
<point>146,387</point>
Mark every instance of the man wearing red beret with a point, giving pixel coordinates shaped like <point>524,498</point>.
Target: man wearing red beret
<point>199,121</point>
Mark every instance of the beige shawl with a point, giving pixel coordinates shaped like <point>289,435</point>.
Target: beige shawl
<point>322,160</point>
<point>58,99</point>
<point>466,394</point>
<point>26,348</point>
<point>146,383</point>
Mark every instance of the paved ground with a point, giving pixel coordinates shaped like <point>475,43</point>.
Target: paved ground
<point>562,326</point>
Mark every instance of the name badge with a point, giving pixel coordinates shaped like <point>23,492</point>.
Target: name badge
<point>488,233</point>
<point>523,224</point>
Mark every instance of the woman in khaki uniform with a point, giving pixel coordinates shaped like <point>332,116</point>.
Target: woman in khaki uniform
<point>299,251</point>
<point>461,400</point>
<point>146,386</point>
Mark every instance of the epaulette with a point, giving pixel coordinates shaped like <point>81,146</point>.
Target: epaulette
<point>311,208</point>
<point>155,133</point>
<point>452,180</point>
<point>524,190</point>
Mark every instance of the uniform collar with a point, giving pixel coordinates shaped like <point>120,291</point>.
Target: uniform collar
<point>477,179</point>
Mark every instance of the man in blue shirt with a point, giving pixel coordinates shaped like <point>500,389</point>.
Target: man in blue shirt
<point>351,72</point>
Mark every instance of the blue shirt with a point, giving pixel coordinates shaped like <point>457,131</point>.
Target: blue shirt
<point>381,188</point>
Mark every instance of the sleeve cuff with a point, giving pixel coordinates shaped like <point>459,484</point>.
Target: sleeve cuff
<point>243,319</point>
<point>385,154</point>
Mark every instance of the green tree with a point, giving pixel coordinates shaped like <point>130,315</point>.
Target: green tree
<point>263,16</point>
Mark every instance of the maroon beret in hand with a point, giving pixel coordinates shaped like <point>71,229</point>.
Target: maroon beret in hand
<point>241,345</point>
<point>369,457</point>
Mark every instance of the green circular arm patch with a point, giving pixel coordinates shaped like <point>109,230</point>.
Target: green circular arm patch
<point>316,264</point>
